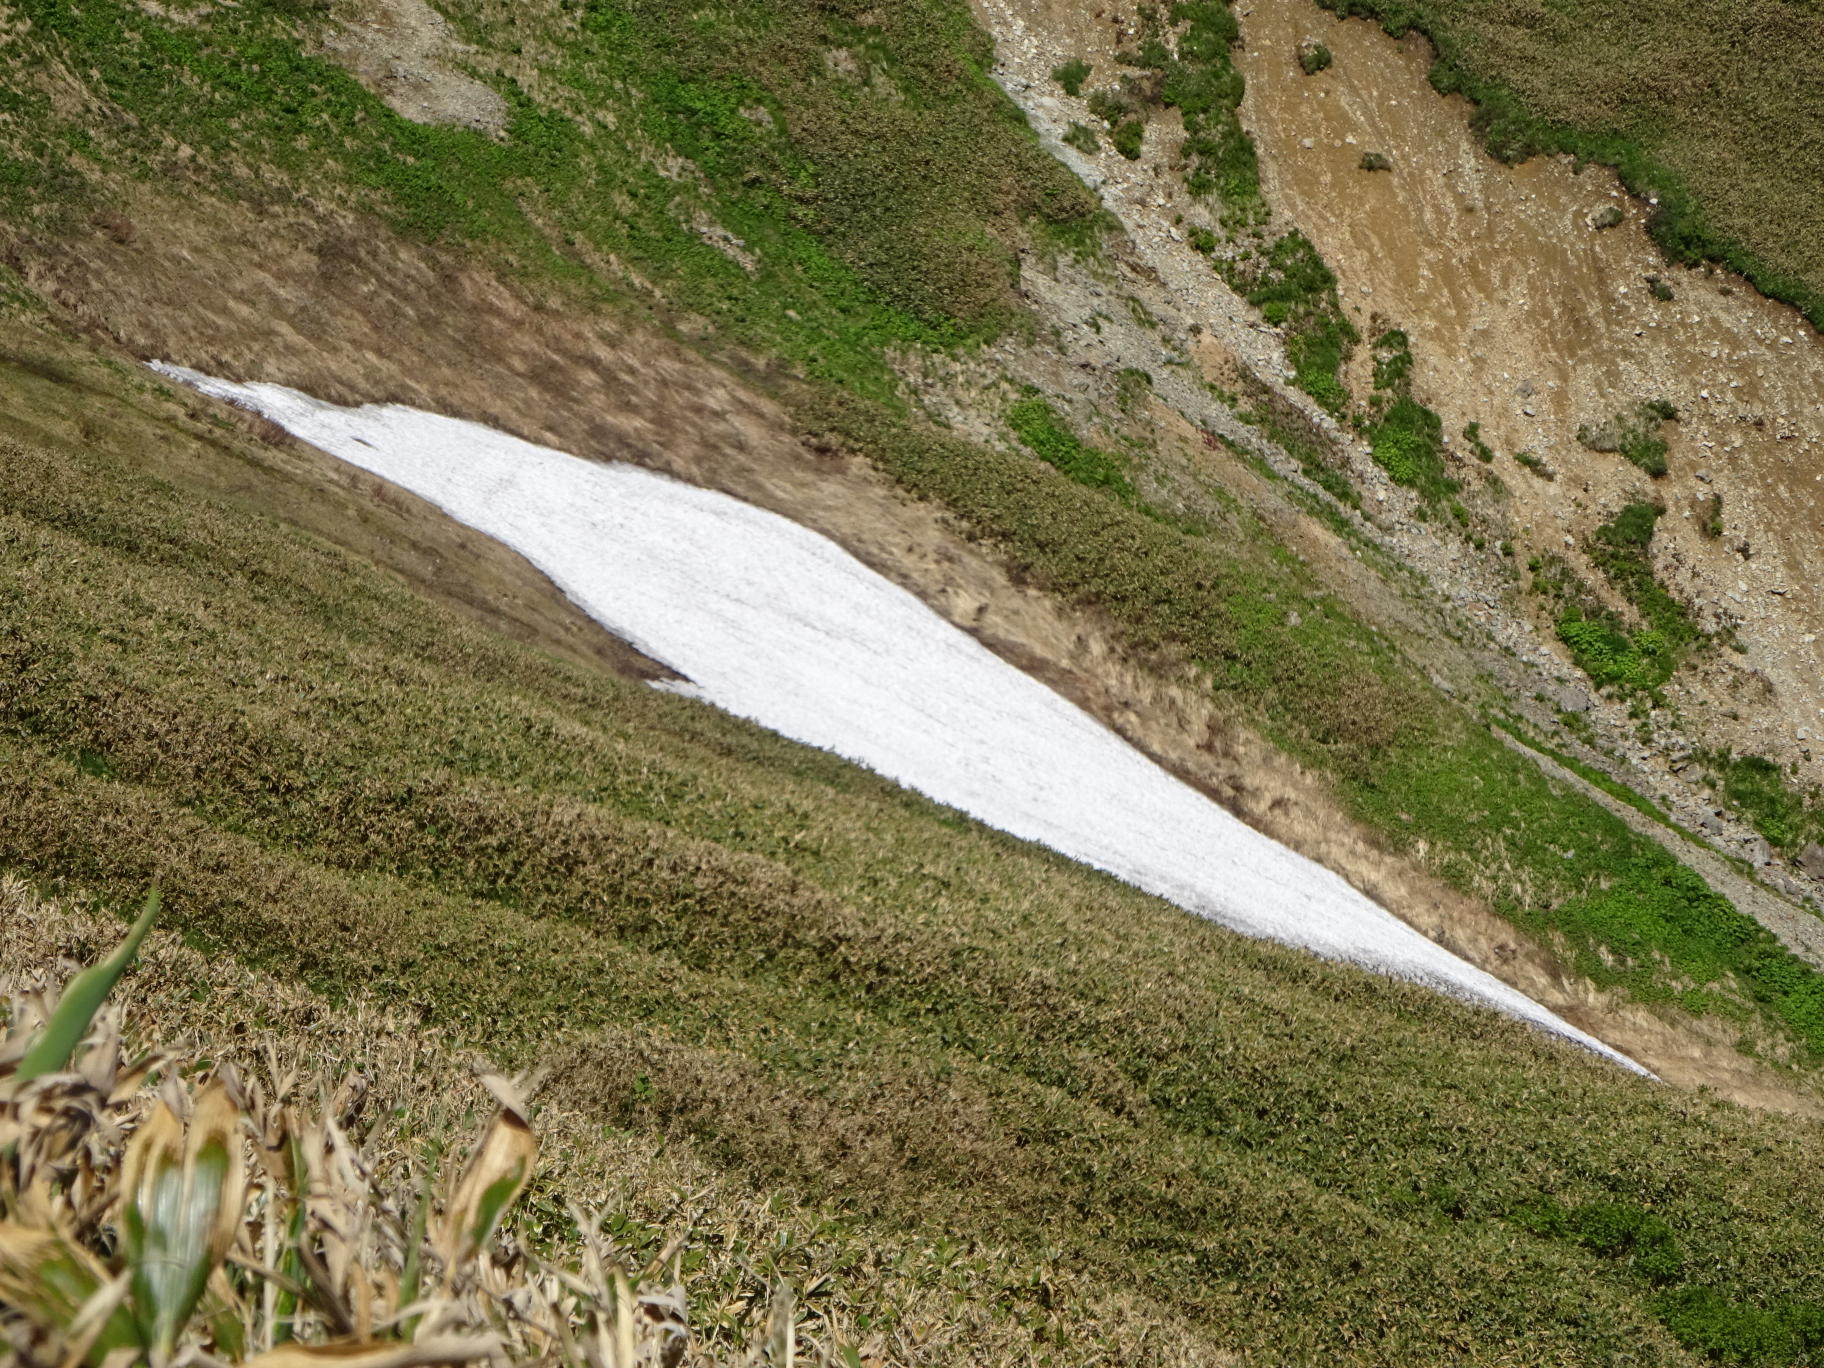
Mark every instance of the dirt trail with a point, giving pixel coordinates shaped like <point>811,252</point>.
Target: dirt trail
<point>1527,318</point>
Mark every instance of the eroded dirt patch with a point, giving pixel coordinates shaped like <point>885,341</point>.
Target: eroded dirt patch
<point>406,53</point>
<point>1529,318</point>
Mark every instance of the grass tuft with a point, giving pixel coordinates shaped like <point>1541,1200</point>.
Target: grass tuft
<point>1071,76</point>
<point>1634,434</point>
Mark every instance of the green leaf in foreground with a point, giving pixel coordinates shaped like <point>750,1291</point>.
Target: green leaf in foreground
<point>51,1052</point>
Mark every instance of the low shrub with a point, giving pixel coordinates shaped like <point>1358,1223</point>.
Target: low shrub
<point>1313,57</point>
<point>1071,75</point>
<point>1634,435</point>
<point>1117,103</point>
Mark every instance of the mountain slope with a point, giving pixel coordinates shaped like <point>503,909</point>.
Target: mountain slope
<point>812,257</point>
<point>823,985</point>
<point>1706,111</point>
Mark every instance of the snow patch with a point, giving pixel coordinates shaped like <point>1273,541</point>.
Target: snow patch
<point>778,624</point>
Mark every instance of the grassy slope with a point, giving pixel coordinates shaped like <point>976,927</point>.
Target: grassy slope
<point>878,199</point>
<point>1333,693</point>
<point>823,985</point>
<point>1713,109</point>
<point>807,974</point>
<point>802,125</point>
<point>854,1283</point>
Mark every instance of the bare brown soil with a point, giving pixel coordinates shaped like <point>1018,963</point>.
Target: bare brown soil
<point>406,53</point>
<point>1530,320</point>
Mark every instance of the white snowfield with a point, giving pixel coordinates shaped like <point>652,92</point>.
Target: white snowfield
<point>775,623</point>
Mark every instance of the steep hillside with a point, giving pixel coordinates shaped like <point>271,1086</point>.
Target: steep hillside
<point>1710,113</point>
<point>1095,365</point>
<point>818,984</point>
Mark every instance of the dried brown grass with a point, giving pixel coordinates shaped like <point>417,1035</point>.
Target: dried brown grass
<point>322,1241</point>
<point>708,1271</point>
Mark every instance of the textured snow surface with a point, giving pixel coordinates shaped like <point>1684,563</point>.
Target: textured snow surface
<point>776,623</point>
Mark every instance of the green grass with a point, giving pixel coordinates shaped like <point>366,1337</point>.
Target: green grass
<point>1336,696</point>
<point>1082,137</point>
<point>1295,435</point>
<point>1760,790</point>
<point>1128,138</point>
<point>1293,288</point>
<point>1408,444</point>
<point>1043,432</point>
<point>1184,62</point>
<point>819,985</point>
<point>1406,438</point>
<point>1595,777</point>
<point>1612,652</point>
<point>803,162</point>
<point>1634,434</point>
<point>1473,435</point>
<point>1735,161</point>
<point>1071,75</point>
<point>1200,81</point>
<point>1622,549</point>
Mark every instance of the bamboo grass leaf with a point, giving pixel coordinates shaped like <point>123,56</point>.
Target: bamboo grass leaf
<point>441,1349</point>
<point>60,1285</point>
<point>69,1023</point>
<point>182,1199</point>
<point>496,1175</point>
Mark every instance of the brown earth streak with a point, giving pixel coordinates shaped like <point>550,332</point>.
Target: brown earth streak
<point>1528,319</point>
<point>406,53</point>
<point>350,314</point>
